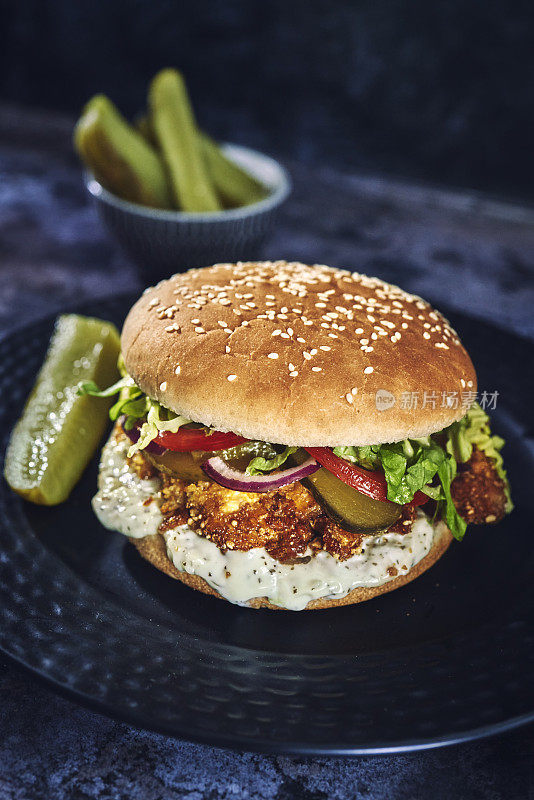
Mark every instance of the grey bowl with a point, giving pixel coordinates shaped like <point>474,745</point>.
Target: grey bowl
<point>163,242</point>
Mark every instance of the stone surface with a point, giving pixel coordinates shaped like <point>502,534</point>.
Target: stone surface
<point>462,251</point>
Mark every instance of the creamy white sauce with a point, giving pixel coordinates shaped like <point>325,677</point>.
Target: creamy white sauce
<point>242,575</point>
<point>120,501</point>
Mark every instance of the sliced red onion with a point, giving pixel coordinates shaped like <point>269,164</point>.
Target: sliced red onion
<point>219,471</point>
<point>133,435</point>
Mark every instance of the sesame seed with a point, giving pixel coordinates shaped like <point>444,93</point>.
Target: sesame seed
<point>368,370</point>
<point>163,386</point>
<point>293,373</point>
<point>354,390</point>
<point>222,324</point>
<point>285,336</point>
<point>231,378</point>
<point>227,349</point>
<point>325,348</point>
<point>195,321</point>
<point>290,331</point>
<point>349,398</point>
<point>228,330</point>
<point>199,329</point>
<point>358,330</point>
<point>333,335</point>
<point>301,340</point>
<point>426,335</point>
<point>273,355</point>
<point>316,369</point>
<point>306,355</point>
<point>177,370</point>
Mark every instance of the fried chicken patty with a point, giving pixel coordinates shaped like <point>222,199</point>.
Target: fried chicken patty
<point>478,491</point>
<point>286,522</point>
<point>289,521</point>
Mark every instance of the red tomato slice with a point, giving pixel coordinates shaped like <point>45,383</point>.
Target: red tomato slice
<point>188,439</point>
<point>372,484</point>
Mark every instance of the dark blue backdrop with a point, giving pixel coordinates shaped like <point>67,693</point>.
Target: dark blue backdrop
<point>441,90</point>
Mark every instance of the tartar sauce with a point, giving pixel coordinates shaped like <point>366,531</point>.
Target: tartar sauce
<point>242,575</point>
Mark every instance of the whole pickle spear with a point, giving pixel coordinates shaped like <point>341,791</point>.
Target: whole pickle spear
<point>119,157</point>
<point>176,131</point>
<point>235,186</point>
<point>59,431</point>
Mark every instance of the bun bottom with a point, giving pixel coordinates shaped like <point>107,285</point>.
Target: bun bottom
<point>153,549</point>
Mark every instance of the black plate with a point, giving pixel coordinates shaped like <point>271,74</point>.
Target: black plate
<point>447,658</point>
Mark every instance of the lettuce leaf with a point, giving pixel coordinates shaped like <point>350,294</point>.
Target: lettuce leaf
<point>474,429</point>
<point>366,456</point>
<point>135,405</point>
<point>260,465</point>
<point>429,464</point>
<point>446,507</point>
<point>408,474</point>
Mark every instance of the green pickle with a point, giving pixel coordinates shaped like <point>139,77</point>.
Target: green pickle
<point>176,131</point>
<point>351,509</point>
<point>59,431</point>
<point>119,157</point>
<point>235,186</point>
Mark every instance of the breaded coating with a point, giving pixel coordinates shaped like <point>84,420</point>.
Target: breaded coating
<point>173,505</point>
<point>338,542</point>
<point>477,490</point>
<point>281,521</point>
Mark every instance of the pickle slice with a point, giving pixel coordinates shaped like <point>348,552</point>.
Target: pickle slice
<point>176,131</point>
<point>180,465</point>
<point>118,155</point>
<point>351,510</point>
<point>235,186</point>
<point>59,431</point>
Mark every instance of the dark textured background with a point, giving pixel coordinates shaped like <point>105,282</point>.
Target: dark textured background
<point>441,90</point>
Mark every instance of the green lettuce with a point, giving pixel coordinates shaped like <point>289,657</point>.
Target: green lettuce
<point>136,405</point>
<point>446,507</point>
<point>429,464</point>
<point>260,465</point>
<point>474,429</point>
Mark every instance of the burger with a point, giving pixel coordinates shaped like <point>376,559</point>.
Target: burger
<point>294,437</point>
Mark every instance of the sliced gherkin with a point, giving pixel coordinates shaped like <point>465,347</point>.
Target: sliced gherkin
<point>119,157</point>
<point>176,131</point>
<point>351,510</point>
<point>59,431</point>
<point>235,186</point>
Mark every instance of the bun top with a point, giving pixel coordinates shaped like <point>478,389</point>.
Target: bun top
<point>298,355</point>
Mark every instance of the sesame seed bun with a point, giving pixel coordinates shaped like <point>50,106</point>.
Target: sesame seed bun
<point>298,355</point>
<point>153,549</point>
